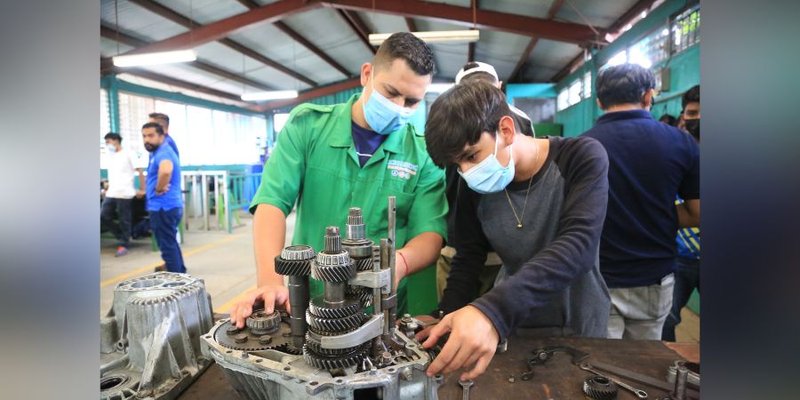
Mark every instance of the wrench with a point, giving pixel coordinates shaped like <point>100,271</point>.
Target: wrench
<point>638,392</point>
<point>465,385</point>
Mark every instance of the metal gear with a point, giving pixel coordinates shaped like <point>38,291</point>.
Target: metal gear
<point>599,388</point>
<point>363,294</point>
<point>318,307</point>
<point>334,325</point>
<point>295,260</point>
<point>261,323</point>
<point>314,344</point>
<point>335,273</point>
<point>251,340</point>
<point>340,361</point>
<point>363,264</point>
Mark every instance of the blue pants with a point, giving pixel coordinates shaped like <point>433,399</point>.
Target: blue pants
<point>164,224</point>
<point>687,278</point>
<point>121,230</point>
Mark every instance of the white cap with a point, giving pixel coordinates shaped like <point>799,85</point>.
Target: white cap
<point>482,67</point>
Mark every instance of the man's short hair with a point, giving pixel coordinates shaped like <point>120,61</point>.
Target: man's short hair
<point>623,84</point>
<point>161,116</point>
<point>476,70</point>
<point>691,96</point>
<point>154,125</point>
<point>408,47</point>
<point>460,116</point>
<point>113,136</point>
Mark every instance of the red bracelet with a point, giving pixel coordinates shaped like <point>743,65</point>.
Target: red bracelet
<point>404,261</point>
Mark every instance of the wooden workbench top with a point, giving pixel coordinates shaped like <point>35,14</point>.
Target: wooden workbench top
<point>558,379</point>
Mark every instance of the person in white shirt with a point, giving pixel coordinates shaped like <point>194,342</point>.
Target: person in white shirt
<point>120,192</point>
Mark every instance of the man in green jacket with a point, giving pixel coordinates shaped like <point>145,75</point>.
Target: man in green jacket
<point>356,154</point>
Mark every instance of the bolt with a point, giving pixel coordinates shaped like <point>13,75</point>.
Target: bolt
<point>240,338</point>
<point>232,330</point>
<point>266,339</point>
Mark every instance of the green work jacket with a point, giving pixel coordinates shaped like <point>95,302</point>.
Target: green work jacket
<point>315,166</point>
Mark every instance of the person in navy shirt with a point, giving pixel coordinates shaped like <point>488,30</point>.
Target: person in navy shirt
<point>650,164</point>
<point>164,202</point>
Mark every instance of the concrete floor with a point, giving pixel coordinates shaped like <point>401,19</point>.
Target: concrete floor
<point>227,265</point>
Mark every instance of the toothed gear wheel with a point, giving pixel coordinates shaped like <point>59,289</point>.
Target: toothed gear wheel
<point>292,267</point>
<point>329,363</point>
<point>599,388</point>
<point>251,343</point>
<point>261,323</point>
<point>314,343</point>
<point>334,273</point>
<point>334,325</point>
<point>289,349</point>
<point>363,264</point>
<point>318,307</point>
<point>363,294</point>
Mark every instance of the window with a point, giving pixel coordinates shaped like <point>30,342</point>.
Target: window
<point>279,120</point>
<point>686,30</point>
<point>562,102</point>
<point>203,136</point>
<point>587,85</point>
<point>105,126</point>
<point>575,92</point>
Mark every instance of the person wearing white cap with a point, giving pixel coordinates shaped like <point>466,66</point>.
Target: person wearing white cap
<point>471,72</point>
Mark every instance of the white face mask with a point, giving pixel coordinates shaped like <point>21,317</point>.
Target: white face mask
<point>489,176</point>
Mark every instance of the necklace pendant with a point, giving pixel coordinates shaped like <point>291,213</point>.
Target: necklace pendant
<point>519,226</point>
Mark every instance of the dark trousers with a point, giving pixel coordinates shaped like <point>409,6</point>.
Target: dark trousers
<point>687,278</point>
<point>164,224</point>
<point>122,208</point>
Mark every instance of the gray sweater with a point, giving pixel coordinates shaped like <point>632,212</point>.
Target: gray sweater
<point>550,277</point>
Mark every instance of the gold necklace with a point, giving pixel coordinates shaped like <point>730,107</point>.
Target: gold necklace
<point>525,203</point>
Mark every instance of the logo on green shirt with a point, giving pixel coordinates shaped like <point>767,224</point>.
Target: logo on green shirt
<point>402,169</point>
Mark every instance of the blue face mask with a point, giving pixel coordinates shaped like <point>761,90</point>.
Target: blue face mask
<point>489,176</point>
<point>111,149</point>
<point>383,116</point>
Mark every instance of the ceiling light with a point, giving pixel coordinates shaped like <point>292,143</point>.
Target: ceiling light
<point>165,57</point>
<point>466,36</point>
<point>271,95</point>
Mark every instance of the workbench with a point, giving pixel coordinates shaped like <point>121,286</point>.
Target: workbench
<point>557,379</point>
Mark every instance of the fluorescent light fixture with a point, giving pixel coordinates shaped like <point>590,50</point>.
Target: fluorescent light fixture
<point>466,36</point>
<point>439,87</point>
<point>165,57</point>
<point>271,95</point>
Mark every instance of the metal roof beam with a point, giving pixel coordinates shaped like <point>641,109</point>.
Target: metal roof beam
<point>182,20</point>
<point>312,94</point>
<point>219,29</point>
<point>112,34</point>
<point>512,23</point>
<point>551,13</point>
<point>359,27</point>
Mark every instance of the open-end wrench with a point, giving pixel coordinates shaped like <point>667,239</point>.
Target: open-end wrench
<point>638,392</point>
<point>465,385</point>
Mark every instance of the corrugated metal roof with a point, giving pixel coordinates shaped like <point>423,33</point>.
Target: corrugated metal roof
<point>326,29</point>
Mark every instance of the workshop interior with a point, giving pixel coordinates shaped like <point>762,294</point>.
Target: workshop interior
<point>199,102</point>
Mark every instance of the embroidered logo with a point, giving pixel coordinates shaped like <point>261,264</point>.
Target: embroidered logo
<point>402,169</point>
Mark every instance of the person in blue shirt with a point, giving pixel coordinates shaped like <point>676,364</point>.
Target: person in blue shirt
<point>650,164</point>
<point>163,120</point>
<point>164,202</point>
<point>687,272</point>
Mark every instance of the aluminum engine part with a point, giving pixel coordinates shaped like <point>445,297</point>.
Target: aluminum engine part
<point>346,354</point>
<point>150,339</point>
<point>273,374</point>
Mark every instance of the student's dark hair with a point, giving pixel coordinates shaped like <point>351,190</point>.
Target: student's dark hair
<point>668,119</point>
<point>113,136</point>
<point>691,96</point>
<point>408,47</point>
<point>623,84</point>
<point>459,117</point>
<point>155,125</point>
<point>161,116</point>
<point>476,76</point>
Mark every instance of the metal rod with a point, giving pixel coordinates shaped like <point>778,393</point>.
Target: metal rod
<point>298,298</point>
<point>384,265</point>
<point>392,249</point>
<point>333,292</point>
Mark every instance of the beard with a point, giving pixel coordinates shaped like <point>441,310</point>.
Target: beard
<point>150,147</point>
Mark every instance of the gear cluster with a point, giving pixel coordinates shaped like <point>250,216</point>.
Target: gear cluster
<point>599,388</point>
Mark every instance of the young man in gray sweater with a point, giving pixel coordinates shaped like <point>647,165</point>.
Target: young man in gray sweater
<point>540,203</point>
